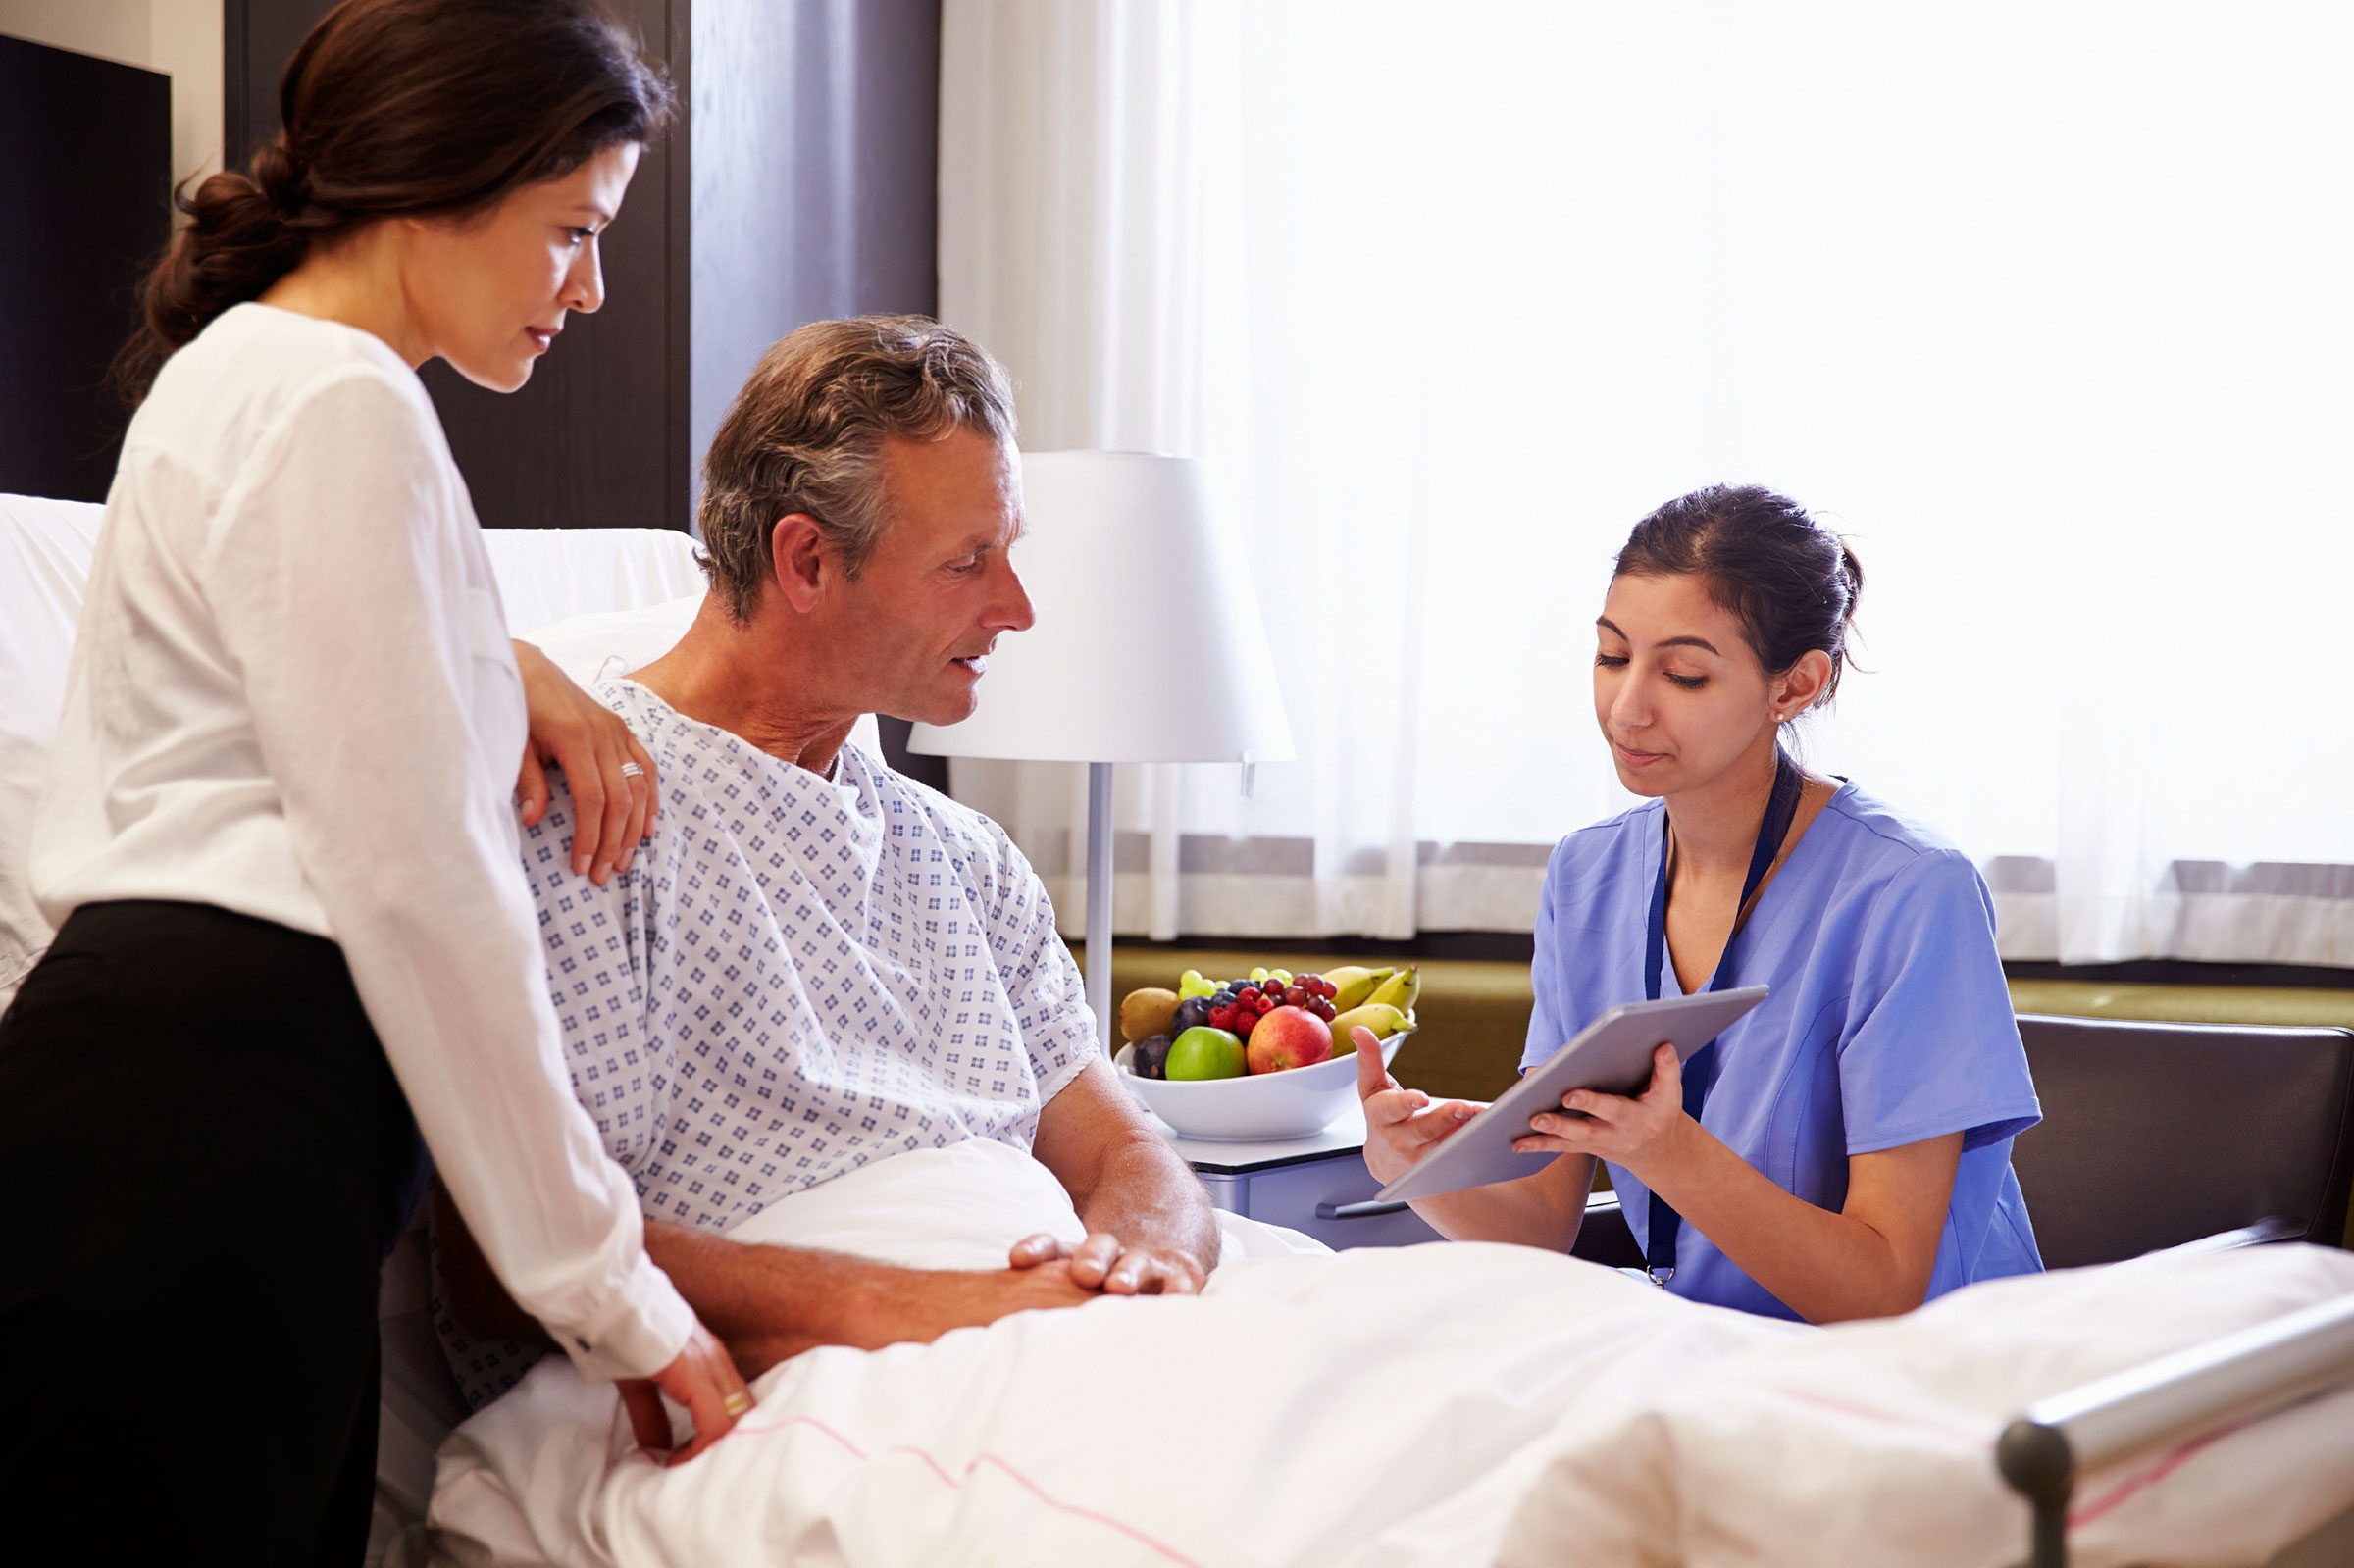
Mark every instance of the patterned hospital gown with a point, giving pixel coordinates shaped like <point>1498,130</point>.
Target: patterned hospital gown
<point>797,976</point>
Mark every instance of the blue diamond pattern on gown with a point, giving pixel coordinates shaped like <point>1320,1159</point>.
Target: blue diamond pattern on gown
<point>798,976</point>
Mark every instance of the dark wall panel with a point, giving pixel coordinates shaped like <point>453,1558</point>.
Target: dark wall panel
<point>86,180</point>
<point>599,436</point>
<point>816,159</point>
<point>816,128</point>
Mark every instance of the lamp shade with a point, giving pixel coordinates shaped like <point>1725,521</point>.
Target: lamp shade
<point>1148,646</point>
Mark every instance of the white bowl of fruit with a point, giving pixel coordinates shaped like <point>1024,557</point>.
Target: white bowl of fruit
<point>1267,1056</point>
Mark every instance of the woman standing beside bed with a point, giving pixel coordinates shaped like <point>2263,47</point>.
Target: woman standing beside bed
<point>1844,1149</point>
<point>278,834</point>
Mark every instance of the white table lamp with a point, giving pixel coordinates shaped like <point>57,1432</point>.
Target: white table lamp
<point>1147,648</point>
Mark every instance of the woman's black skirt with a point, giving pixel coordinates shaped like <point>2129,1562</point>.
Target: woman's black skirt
<point>206,1159</point>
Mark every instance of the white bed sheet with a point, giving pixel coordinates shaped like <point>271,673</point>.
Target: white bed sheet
<point>1428,1405</point>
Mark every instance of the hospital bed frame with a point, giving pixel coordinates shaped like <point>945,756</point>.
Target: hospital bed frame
<point>2110,1085</point>
<point>2175,1401</point>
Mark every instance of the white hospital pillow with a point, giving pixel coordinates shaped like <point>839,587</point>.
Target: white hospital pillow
<point>589,647</point>
<point>545,575</point>
<point>45,549</point>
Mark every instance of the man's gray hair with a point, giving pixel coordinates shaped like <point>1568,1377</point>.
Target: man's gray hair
<point>806,434</point>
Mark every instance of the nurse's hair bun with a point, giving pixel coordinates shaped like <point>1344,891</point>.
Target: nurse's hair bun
<point>398,109</point>
<point>1790,581</point>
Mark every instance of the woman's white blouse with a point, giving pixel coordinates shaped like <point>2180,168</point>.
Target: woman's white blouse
<point>292,696</point>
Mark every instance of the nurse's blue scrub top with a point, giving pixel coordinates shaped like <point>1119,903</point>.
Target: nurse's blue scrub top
<point>1888,1023</point>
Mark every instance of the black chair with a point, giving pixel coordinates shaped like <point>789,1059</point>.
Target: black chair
<point>1602,1236</point>
<point>2161,1135</point>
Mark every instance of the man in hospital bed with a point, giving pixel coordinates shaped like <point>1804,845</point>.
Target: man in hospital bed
<point>816,963</point>
<point>826,1024</point>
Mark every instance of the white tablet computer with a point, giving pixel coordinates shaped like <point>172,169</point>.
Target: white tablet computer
<point>1611,1054</point>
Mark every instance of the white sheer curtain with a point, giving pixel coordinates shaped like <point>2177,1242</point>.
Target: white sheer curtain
<point>2043,305</point>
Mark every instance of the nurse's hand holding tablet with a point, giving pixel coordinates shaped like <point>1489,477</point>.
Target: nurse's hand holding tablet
<point>1403,1127</point>
<point>1842,1150</point>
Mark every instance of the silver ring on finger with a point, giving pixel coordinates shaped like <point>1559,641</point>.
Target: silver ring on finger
<point>631,769</point>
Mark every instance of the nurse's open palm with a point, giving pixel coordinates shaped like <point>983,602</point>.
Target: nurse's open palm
<point>1401,1124</point>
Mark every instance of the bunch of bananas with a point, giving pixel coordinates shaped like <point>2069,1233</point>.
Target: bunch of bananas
<point>1379,999</point>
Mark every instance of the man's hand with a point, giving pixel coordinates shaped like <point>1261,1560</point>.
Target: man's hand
<point>1104,1262</point>
<point>703,1379</point>
<point>611,775</point>
<point>1150,1227</point>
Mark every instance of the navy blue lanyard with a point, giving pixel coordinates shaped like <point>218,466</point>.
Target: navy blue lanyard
<point>1700,1068</point>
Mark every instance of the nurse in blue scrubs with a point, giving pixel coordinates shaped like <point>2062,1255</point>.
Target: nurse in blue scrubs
<point>1844,1149</point>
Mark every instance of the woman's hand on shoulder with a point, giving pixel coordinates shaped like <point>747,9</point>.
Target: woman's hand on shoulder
<point>1401,1124</point>
<point>1633,1132</point>
<point>611,776</point>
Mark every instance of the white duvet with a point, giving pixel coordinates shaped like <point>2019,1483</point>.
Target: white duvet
<point>1444,1404</point>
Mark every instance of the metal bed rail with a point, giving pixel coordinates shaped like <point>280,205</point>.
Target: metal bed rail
<point>2172,1399</point>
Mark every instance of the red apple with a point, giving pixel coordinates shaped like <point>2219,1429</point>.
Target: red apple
<point>1289,1037</point>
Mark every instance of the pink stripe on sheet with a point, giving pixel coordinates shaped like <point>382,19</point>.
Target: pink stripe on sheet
<point>1118,1526</point>
<point>1886,1418</point>
<point>2151,1477</point>
<point>2106,1503</point>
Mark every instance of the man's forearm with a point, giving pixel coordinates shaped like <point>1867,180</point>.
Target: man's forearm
<point>786,1299</point>
<point>770,1303</point>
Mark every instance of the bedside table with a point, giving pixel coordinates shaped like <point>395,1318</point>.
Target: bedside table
<point>1319,1184</point>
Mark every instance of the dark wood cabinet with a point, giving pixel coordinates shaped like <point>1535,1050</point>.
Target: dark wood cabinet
<point>85,175</point>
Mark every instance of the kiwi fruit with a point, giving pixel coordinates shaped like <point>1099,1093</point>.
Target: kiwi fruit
<point>1147,1011</point>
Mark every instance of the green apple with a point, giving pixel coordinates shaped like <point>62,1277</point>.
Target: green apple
<point>1204,1052</point>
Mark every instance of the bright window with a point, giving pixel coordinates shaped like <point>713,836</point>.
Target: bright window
<point>2045,306</point>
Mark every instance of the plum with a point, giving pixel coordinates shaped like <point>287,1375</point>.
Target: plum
<point>1149,1057</point>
